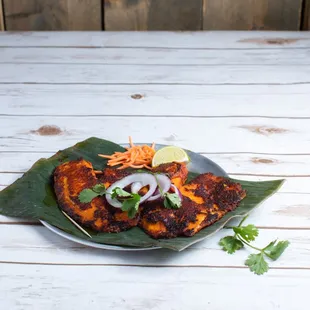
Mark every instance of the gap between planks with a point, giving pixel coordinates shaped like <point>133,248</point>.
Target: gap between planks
<point>157,47</point>
<point>147,266</point>
<point>158,83</point>
<point>155,116</point>
<point>149,64</point>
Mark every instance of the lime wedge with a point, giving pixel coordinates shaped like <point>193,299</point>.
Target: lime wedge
<point>169,154</point>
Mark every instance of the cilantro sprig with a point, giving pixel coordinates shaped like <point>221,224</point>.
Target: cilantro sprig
<point>88,194</point>
<point>244,235</point>
<point>171,200</point>
<point>130,201</point>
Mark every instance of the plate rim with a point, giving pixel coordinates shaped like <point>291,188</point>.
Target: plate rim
<point>102,246</point>
<point>112,247</point>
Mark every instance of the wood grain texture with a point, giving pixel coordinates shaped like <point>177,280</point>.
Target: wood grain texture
<point>276,101</point>
<point>175,15</point>
<point>252,15</point>
<point>75,287</point>
<point>41,246</point>
<point>126,14</point>
<point>152,14</point>
<point>151,56</point>
<point>233,163</point>
<point>155,39</point>
<point>34,15</point>
<point>84,15</point>
<point>149,74</point>
<point>306,16</point>
<point>20,133</point>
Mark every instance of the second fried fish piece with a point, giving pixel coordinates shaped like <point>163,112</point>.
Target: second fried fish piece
<point>206,199</point>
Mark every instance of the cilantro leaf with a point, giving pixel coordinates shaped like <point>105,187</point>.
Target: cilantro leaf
<point>270,245</point>
<point>87,195</point>
<point>118,192</point>
<point>275,249</point>
<point>99,188</point>
<point>131,205</point>
<point>257,263</point>
<point>248,233</point>
<point>172,201</point>
<point>230,244</point>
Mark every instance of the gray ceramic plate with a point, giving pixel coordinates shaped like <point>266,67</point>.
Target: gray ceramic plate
<point>198,164</point>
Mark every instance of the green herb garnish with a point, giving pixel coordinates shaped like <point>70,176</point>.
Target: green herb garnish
<point>118,192</point>
<point>171,201</point>
<point>88,194</point>
<point>230,244</point>
<point>131,205</point>
<point>130,201</point>
<point>243,236</point>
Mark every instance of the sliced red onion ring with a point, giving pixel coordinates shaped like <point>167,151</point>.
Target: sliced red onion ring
<point>156,192</point>
<point>164,184</point>
<point>143,178</point>
<point>176,190</point>
<point>135,187</point>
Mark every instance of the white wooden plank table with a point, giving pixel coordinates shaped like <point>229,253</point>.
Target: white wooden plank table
<point>239,98</point>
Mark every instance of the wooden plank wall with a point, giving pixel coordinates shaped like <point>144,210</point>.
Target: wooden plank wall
<point>252,14</point>
<point>215,14</point>
<point>17,15</point>
<point>52,14</point>
<point>306,15</point>
<point>153,14</point>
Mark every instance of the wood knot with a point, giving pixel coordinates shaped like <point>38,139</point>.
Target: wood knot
<point>48,130</point>
<point>257,160</point>
<point>280,41</point>
<point>271,41</point>
<point>264,130</point>
<point>136,96</point>
<point>301,210</point>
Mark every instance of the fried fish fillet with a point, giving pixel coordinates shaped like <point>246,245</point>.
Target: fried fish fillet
<point>71,178</point>
<point>177,172</point>
<point>111,175</point>
<point>206,199</point>
<point>212,196</point>
<point>157,221</point>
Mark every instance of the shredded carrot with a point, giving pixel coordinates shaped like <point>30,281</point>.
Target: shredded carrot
<point>135,156</point>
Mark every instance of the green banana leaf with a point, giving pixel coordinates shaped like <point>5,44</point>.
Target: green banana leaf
<point>32,196</point>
